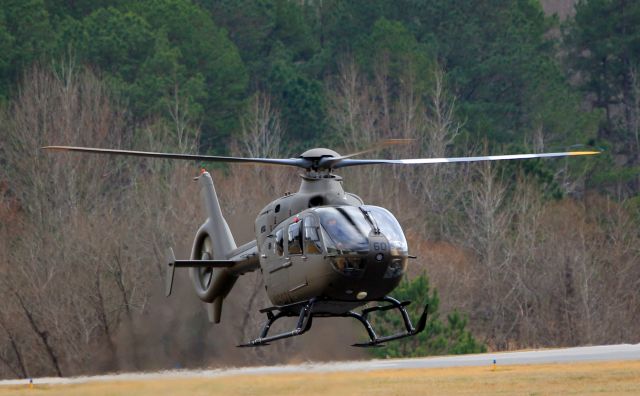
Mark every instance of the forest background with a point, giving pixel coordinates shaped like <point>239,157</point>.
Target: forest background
<point>524,254</point>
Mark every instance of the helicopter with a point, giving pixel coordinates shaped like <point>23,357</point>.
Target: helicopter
<point>322,251</point>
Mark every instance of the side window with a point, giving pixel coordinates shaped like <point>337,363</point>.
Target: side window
<point>312,244</point>
<point>267,246</point>
<point>294,240</point>
<point>279,242</point>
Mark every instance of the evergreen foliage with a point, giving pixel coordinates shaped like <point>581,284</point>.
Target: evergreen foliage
<point>439,338</point>
<point>501,62</point>
<point>603,46</point>
<point>521,80</point>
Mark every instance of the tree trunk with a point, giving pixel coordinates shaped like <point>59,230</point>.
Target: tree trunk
<point>42,334</point>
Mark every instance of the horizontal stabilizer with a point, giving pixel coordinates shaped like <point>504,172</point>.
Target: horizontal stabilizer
<point>172,264</point>
<point>203,263</point>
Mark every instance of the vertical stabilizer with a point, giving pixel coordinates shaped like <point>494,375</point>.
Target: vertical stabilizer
<point>213,241</point>
<point>223,242</point>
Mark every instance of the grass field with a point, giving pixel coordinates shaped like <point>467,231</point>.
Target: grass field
<point>614,378</point>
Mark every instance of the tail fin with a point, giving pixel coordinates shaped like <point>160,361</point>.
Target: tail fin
<point>212,284</point>
<point>216,262</point>
<point>216,225</point>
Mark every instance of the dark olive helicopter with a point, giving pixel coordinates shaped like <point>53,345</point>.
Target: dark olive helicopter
<point>322,251</point>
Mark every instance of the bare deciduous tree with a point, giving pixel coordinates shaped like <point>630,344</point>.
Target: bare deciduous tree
<point>83,238</point>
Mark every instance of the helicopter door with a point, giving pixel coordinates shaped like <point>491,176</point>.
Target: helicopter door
<point>298,269</point>
<point>277,268</point>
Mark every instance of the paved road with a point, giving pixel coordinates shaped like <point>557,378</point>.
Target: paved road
<point>581,354</point>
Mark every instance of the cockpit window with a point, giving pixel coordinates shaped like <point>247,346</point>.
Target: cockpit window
<point>390,227</point>
<point>294,242</point>
<point>312,243</point>
<point>346,229</point>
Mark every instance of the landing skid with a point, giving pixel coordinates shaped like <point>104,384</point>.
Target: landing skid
<point>305,313</point>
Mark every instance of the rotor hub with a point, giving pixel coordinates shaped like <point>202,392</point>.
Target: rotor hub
<point>319,161</point>
<point>317,153</point>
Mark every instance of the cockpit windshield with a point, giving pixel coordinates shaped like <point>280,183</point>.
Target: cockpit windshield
<point>390,228</point>
<point>346,228</point>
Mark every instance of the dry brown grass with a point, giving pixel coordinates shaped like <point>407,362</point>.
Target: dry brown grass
<point>611,378</point>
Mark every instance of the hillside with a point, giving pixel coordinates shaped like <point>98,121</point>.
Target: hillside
<point>529,254</point>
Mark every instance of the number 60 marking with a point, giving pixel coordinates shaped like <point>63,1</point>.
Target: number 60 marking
<point>379,246</point>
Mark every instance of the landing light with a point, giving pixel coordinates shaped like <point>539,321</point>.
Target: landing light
<point>361,295</point>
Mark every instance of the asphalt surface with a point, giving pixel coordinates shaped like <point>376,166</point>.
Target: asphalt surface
<point>566,355</point>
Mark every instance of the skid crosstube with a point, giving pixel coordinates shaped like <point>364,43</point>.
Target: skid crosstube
<point>305,313</point>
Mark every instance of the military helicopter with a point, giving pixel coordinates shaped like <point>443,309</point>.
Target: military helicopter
<point>322,251</point>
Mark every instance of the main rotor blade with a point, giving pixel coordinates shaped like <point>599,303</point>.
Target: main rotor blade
<point>329,162</point>
<point>377,146</point>
<point>299,162</point>
<point>417,161</point>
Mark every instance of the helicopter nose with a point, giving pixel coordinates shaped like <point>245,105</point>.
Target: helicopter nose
<point>384,261</point>
<point>379,251</point>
